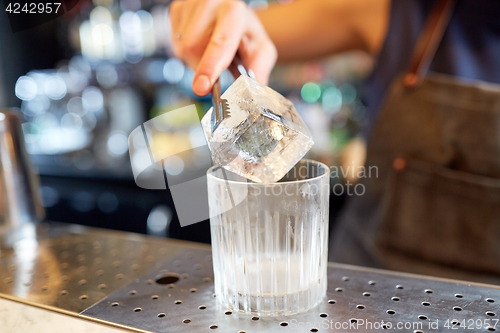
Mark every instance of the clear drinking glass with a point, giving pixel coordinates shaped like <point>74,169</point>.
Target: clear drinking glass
<point>270,241</point>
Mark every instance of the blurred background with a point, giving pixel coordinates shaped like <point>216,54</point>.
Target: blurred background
<point>84,81</point>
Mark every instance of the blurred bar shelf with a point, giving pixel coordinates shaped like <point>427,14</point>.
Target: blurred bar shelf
<point>48,165</point>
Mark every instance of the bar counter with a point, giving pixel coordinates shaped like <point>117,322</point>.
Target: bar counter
<point>65,278</point>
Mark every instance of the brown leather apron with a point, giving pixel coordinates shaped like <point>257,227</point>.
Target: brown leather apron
<point>434,207</point>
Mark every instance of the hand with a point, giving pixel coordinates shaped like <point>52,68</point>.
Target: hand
<point>208,33</point>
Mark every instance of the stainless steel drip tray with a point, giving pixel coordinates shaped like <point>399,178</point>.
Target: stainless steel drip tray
<point>161,285</point>
<point>179,297</point>
<point>68,268</point>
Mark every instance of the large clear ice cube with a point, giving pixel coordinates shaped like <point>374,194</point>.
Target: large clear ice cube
<point>262,138</point>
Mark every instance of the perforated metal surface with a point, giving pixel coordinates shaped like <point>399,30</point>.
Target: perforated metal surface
<point>70,268</point>
<point>356,295</point>
<point>117,272</point>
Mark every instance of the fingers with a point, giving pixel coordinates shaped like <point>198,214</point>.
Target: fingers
<point>196,27</point>
<point>262,62</point>
<point>211,31</point>
<point>175,12</point>
<point>229,28</point>
<point>259,52</point>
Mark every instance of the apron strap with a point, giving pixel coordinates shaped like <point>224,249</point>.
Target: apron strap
<point>428,42</point>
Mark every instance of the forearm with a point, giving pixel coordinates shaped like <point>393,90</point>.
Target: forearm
<point>306,29</point>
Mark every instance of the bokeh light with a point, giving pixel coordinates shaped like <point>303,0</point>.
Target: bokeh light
<point>107,202</point>
<point>197,137</point>
<point>55,87</point>
<point>173,71</point>
<point>33,107</point>
<point>46,122</point>
<point>25,88</point>
<point>140,159</point>
<point>100,15</point>
<point>159,219</point>
<point>348,93</point>
<point>310,92</point>
<point>146,20</point>
<point>174,165</point>
<point>155,70</point>
<point>131,35</point>
<point>89,122</point>
<point>106,75</point>
<point>93,98</point>
<point>50,196</point>
<point>130,22</point>
<point>71,122</point>
<point>117,143</point>
<point>31,132</point>
<point>332,100</point>
<point>76,105</point>
<point>102,34</point>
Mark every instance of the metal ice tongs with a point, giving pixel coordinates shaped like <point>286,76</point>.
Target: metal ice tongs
<point>221,107</point>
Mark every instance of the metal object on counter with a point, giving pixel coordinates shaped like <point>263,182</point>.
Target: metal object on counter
<point>175,292</point>
<point>20,204</point>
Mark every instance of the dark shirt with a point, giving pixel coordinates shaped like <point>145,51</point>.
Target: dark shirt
<point>470,47</point>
